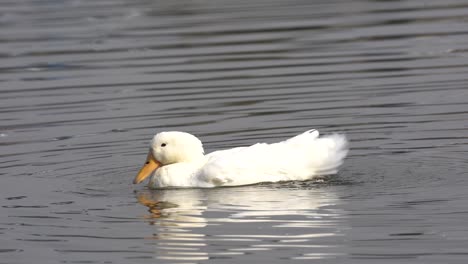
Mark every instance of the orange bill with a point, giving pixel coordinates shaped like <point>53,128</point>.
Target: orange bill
<point>151,165</point>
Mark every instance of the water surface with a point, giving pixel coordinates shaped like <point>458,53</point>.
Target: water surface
<point>85,84</point>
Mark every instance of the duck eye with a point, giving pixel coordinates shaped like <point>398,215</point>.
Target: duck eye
<point>163,144</point>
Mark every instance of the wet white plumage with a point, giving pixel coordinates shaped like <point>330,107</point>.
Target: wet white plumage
<point>302,157</point>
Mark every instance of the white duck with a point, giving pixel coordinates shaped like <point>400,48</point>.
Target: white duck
<point>177,159</point>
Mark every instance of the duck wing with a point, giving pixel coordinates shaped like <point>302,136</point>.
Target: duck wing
<point>299,158</point>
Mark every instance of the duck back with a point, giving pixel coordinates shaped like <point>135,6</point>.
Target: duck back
<point>302,157</point>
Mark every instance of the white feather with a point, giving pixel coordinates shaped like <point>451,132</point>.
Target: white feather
<point>302,157</point>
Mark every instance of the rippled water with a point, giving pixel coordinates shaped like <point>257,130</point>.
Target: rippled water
<point>85,84</point>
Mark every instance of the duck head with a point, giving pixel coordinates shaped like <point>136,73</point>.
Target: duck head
<point>169,148</point>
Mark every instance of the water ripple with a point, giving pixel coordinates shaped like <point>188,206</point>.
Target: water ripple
<point>84,85</point>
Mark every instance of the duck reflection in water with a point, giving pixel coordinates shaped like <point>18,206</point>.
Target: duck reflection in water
<point>190,220</point>
<point>173,207</point>
<point>185,206</point>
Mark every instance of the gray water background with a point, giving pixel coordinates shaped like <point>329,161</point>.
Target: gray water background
<point>85,84</point>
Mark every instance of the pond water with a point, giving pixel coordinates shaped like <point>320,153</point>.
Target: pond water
<point>85,84</point>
